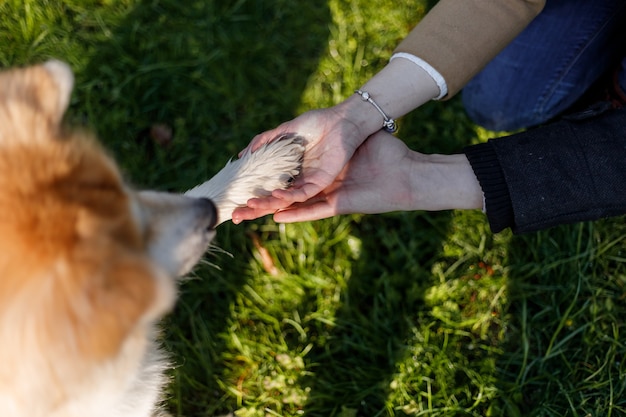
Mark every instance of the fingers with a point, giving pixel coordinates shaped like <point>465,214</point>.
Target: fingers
<point>297,195</point>
<point>297,213</point>
<point>258,207</point>
<point>301,213</point>
<point>267,203</point>
<point>318,207</point>
<point>241,214</point>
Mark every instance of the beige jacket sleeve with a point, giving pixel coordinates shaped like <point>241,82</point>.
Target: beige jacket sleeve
<point>459,37</point>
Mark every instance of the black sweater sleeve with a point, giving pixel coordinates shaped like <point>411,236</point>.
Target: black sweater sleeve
<point>568,171</point>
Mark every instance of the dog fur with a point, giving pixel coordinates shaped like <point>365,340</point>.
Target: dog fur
<point>88,265</point>
<point>254,174</point>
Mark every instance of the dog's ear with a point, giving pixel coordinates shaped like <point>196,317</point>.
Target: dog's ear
<point>33,101</point>
<point>55,103</point>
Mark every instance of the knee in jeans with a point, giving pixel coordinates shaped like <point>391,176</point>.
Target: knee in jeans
<point>493,113</point>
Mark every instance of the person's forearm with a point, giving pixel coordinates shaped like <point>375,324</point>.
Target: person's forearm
<point>443,182</point>
<point>398,88</point>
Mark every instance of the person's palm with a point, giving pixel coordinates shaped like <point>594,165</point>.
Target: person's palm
<point>330,142</point>
<point>376,180</point>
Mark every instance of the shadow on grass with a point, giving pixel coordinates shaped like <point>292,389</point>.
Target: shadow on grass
<point>216,72</point>
<point>355,367</point>
<point>207,70</point>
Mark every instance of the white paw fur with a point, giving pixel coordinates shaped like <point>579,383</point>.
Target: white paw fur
<point>271,167</point>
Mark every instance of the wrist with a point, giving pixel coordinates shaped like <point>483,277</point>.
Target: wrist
<point>401,87</point>
<point>397,89</point>
<point>362,115</point>
<point>389,124</point>
<point>443,182</point>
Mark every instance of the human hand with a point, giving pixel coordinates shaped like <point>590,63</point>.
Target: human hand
<point>384,175</point>
<point>330,141</point>
<point>375,180</point>
<point>334,134</point>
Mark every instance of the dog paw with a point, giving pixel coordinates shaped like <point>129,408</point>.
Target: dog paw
<point>272,166</point>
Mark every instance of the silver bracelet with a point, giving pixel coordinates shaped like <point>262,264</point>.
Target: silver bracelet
<point>388,124</point>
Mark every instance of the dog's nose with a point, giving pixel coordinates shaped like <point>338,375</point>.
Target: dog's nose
<point>209,209</point>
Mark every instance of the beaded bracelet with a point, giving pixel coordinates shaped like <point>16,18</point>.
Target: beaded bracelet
<point>389,124</point>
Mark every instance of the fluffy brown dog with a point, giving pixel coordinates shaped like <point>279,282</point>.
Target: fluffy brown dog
<point>87,264</point>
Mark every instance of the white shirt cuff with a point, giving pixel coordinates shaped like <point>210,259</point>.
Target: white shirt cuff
<point>436,76</point>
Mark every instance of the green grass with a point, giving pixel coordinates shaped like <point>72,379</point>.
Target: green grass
<point>421,314</point>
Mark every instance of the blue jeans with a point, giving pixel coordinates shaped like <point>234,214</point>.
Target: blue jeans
<point>549,66</point>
